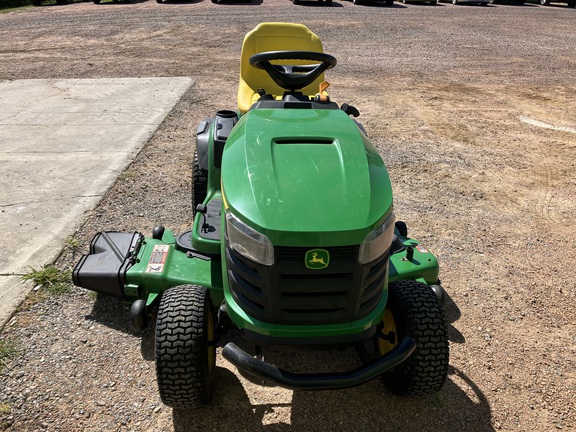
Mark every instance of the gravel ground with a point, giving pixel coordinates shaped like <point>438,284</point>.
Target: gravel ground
<point>445,92</point>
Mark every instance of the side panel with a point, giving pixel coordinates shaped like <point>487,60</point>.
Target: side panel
<point>162,265</point>
<point>211,137</point>
<point>203,142</point>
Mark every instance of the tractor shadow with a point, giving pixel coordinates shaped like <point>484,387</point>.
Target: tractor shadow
<point>240,405</point>
<point>453,314</point>
<point>111,312</point>
<point>460,405</point>
<point>114,313</point>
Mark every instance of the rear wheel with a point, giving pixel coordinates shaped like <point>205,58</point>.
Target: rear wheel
<point>96,1</point>
<point>414,311</point>
<point>571,3</point>
<point>185,347</point>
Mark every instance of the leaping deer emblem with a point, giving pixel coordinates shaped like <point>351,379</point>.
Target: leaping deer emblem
<point>315,259</point>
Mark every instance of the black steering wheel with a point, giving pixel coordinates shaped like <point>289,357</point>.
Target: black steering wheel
<point>293,77</point>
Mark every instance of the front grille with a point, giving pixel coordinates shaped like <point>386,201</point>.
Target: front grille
<point>289,293</point>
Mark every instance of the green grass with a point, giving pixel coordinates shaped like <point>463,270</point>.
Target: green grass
<point>7,351</point>
<point>126,175</point>
<point>5,409</point>
<point>73,244</point>
<point>51,278</point>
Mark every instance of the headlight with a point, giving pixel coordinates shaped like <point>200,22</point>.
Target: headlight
<point>377,242</point>
<point>249,242</point>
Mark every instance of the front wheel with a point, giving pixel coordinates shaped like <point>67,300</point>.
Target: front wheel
<point>414,311</point>
<point>185,347</point>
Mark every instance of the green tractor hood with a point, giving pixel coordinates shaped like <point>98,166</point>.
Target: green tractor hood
<point>304,176</point>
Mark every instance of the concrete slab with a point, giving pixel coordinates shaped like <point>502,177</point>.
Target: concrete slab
<point>62,144</point>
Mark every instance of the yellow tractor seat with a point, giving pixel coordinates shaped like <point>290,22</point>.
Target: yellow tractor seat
<point>273,37</point>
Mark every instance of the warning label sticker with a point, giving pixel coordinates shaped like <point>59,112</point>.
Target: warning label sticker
<point>422,249</point>
<point>157,259</point>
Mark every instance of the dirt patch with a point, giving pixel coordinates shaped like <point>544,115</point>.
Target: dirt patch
<point>441,91</point>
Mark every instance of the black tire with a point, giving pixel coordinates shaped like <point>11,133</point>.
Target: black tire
<point>185,347</point>
<point>571,3</point>
<point>37,2</point>
<point>199,184</point>
<point>96,1</point>
<point>416,313</point>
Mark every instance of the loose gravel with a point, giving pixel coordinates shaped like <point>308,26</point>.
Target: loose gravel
<point>442,90</point>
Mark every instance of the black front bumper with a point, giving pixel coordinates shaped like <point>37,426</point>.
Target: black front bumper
<point>321,381</point>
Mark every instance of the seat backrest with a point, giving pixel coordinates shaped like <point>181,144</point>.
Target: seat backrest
<point>273,37</point>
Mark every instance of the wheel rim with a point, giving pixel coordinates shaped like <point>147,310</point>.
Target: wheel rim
<point>388,335</point>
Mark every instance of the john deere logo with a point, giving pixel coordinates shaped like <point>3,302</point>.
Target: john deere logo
<point>317,259</point>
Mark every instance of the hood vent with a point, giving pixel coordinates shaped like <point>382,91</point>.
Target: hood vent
<point>303,140</point>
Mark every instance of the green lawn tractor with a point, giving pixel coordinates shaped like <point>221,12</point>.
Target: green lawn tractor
<point>294,243</point>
